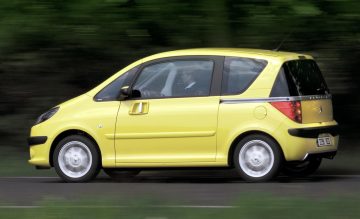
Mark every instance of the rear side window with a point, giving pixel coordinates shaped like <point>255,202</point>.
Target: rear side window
<point>299,78</point>
<point>239,73</point>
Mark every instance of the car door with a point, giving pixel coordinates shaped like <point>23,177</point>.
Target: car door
<point>174,119</point>
<point>104,112</point>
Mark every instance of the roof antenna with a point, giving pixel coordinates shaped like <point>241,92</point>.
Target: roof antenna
<point>282,42</point>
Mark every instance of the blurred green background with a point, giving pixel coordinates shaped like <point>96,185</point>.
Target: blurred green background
<point>53,50</point>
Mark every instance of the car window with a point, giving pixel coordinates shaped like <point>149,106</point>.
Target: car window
<point>175,79</point>
<point>239,73</point>
<point>299,78</point>
<point>111,91</point>
<point>280,87</point>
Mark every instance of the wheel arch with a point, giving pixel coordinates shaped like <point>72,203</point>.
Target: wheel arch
<point>242,136</point>
<point>67,133</point>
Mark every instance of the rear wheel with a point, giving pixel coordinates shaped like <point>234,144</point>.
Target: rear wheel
<point>121,174</point>
<point>302,169</point>
<point>76,159</point>
<point>257,158</point>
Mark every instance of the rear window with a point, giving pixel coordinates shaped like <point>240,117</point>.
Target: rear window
<point>299,78</point>
<point>239,73</point>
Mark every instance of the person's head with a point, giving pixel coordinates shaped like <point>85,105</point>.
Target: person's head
<point>187,76</point>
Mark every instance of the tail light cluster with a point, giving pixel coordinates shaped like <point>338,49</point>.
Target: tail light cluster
<point>291,109</point>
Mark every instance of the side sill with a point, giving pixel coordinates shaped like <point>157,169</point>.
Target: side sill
<point>42,168</point>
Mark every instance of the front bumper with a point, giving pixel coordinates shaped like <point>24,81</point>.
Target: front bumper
<point>39,151</point>
<point>35,140</point>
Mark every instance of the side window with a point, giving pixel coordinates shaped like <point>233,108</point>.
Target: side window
<point>239,73</point>
<point>111,91</point>
<point>280,88</point>
<point>175,79</point>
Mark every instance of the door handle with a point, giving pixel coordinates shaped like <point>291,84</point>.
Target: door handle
<point>139,108</point>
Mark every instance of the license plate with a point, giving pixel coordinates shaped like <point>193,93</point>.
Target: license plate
<point>324,140</point>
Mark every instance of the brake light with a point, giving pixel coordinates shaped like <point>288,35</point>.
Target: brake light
<point>291,109</point>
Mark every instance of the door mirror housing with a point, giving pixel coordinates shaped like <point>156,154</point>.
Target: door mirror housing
<point>127,92</point>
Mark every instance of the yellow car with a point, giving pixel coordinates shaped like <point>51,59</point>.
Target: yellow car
<point>257,111</point>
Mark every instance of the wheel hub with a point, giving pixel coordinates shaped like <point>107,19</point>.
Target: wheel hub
<point>256,158</point>
<point>75,159</point>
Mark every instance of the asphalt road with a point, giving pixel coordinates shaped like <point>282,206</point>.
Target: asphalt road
<point>187,188</point>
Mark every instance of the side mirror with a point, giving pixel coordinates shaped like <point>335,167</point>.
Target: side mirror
<point>124,92</point>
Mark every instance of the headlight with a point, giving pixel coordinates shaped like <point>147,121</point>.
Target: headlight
<point>47,115</point>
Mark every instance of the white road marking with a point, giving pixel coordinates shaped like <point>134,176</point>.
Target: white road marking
<point>156,218</point>
<point>192,206</point>
<point>116,206</point>
<point>18,206</point>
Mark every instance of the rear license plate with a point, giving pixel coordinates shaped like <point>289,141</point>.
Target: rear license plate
<point>324,140</point>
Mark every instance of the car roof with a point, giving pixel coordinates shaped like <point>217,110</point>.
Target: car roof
<point>241,52</point>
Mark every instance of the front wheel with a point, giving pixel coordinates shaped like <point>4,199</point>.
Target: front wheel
<point>257,158</point>
<point>76,159</point>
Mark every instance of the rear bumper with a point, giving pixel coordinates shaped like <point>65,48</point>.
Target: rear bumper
<point>314,132</point>
<point>328,155</point>
<point>298,141</point>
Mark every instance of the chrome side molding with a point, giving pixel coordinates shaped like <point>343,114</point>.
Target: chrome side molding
<point>274,99</point>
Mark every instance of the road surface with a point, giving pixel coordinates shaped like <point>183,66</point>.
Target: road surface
<point>175,188</point>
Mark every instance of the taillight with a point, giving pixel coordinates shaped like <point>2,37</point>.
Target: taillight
<point>291,109</point>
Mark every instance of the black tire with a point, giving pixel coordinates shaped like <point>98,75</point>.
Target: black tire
<point>259,160</point>
<point>92,169</point>
<point>121,174</point>
<point>302,169</point>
